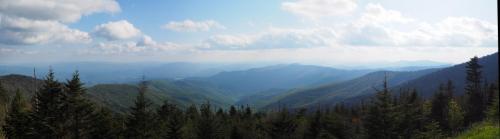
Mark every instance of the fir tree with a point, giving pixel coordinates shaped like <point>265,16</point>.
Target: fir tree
<point>431,131</point>
<point>439,110</point>
<point>314,128</point>
<point>48,117</point>
<point>170,120</point>
<point>4,98</point>
<point>78,109</point>
<point>282,126</point>
<point>475,103</point>
<point>141,121</point>
<point>455,116</point>
<point>105,125</point>
<point>411,117</point>
<point>379,121</point>
<point>17,119</point>
<point>208,126</point>
<point>493,111</point>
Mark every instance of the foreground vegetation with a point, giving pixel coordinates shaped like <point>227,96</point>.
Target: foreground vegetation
<point>60,110</point>
<point>482,131</point>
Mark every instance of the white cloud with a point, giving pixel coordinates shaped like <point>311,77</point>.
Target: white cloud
<point>193,26</point>
<point>118,30</point>
<point>314,9</point>
<point>58,10</point>
<point>26,31</point>
<point>275,38</point>
<point>31,22</point>
<point>376,14</point>
<point>145,45</point>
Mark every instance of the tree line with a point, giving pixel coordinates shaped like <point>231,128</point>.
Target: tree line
<point>61,111</point>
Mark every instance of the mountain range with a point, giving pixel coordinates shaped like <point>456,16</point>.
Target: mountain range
<point>268,87</point>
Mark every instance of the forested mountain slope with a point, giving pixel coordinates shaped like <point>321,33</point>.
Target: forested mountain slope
<point>333,93</point>
<point>252,81</point>
<point>428,84</point>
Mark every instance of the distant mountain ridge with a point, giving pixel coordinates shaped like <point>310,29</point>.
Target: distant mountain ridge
<point>428,84</point>
<point>332,93</point>
<point>251,81</point>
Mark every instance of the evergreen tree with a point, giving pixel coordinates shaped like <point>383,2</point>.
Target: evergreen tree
<point>431,131</point>
<point>493,111</point>
<point>141,121</point>
<point>314,128</point>
<point>336,126</point>
<point>208,126</point>
<point>17,119</point>
<point>492,94</point>
<point>439,110</point>
<point>170,120</point>
<point>4,98</point>
<point>475,104</point>
<point>105,125</point>
<point>379,121</point>
<point>282,126</point>
<point>78,109</point>
<point>48,117</point>
<point>411,117</point>
<point>189,129</point>
<point>455,116</point>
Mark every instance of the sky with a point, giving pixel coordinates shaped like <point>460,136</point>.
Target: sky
<point>324,32</point>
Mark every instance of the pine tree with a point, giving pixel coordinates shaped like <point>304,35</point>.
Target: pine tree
<point>189,129</point>
<point>379,121</point>
<point>170,120</point>
<point>282,126</point>
<point>411,117</point>
<point>475,103</point>
<point>431,131</point>
<point>105,125</point>
<point>141,121</point>
<point>17,119</point>
<point>78,109</point>
<point>175,124</point>
<point>208,126</point>
<point>493,111</point>
<point>4,98</point>
<point>48,117</point>
<point>314,128</point>
<point>455,116</point>
<point>336,125</point>
<point>439,110</point>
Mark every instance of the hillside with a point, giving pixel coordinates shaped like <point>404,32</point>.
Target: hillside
<point>120,97</point>
<point>428,84</point>
<point>25,84</point>
<point>333,93</point>
<point>252,81</point>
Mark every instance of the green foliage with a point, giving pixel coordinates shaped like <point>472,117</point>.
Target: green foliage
<point>380,119</point>
<point>493,111</point>
<point>481,131</point>
<point>105,125</point>
<point>141,120</point>
<point>282,125</point>
<point>431,131</point>
<point>455,116</point>
<point>475,100</point>
<point>78,110</point>
<point>48,119</point>
<point>17,118</point>
<point>208,125</point>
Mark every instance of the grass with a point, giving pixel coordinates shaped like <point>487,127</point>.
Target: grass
<point>482,131</point>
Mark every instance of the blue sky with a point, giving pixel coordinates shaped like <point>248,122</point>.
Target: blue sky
<point>326,32</point>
